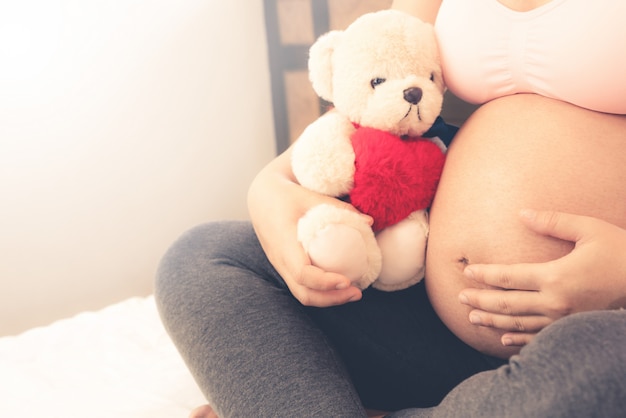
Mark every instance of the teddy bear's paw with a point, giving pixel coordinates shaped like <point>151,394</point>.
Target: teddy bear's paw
<point>403,248</point>
<point>340,249</point>
<point>340,241</point>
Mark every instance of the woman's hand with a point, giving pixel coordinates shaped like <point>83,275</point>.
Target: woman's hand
<point>524,298</point>
<point>276,202</point>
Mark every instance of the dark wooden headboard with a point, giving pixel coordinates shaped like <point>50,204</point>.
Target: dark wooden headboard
<point>292,26</point>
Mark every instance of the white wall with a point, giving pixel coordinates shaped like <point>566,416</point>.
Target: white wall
<point>122,123</point>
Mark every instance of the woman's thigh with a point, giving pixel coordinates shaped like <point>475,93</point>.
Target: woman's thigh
<point>245,339</point>
<point>573,368</point>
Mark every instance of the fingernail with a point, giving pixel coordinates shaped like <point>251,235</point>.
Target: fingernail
<point>463,299</point>
<point>342,285</point>
<point>506,341</point>
<point>474,319</point>
<point>468,273</point>
<point>355,298</point>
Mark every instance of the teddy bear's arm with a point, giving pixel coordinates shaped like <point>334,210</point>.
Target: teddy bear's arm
<point>323,158</point>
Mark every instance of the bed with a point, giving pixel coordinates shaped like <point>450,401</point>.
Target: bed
<point>117,362</point>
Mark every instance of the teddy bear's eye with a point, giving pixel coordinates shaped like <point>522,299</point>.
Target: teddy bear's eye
<point>377,81</point>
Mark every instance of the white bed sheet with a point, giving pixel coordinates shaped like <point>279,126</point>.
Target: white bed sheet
<point>114,363</point>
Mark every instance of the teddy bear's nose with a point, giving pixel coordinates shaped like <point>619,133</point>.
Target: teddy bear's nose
<point>413,95</point>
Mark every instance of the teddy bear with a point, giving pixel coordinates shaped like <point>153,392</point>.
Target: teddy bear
<point>383,79</point>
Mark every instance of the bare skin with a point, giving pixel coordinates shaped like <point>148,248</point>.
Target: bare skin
<point>495,301</point>
<point>527,152</point>
<point>205,411</point>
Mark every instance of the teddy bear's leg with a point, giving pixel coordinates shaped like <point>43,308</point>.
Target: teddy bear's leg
<point>339,240</point>
<point>403,248</point>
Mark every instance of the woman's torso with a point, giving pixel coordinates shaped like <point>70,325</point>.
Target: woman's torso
<point>522,151</point>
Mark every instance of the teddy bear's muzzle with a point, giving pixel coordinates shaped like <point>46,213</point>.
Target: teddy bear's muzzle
<point>413,95</point>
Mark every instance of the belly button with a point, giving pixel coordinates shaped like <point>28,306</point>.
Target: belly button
<point>464,261</point>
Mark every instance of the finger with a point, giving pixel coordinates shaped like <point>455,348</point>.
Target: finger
<point>514,323</point>
<point>366,218</point>
<point>315,287</point>
<point>506,276</point>
<point>312,286</point>
<point>560,225</point>
<point>511,302</point>
<point>517,339</point>
<point>314,278</point>
<point>323,299</point>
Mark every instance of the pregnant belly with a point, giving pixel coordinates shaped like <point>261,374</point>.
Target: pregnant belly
<point>518,152</point>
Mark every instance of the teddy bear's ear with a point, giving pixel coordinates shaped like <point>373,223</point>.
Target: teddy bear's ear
<point>320,64</point>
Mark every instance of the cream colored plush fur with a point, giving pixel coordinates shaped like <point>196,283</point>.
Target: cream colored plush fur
<point>346,68</point>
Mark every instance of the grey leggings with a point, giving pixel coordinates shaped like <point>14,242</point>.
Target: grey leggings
<point>255,351</point>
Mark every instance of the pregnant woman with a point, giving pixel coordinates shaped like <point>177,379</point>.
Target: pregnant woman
<point>520,311</point>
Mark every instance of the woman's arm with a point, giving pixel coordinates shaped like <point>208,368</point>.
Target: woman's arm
<point>424,9</point>
<point>524,298</point>
<point>275,203</point>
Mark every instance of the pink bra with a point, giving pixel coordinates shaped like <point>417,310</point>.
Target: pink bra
<point>571,50</point>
